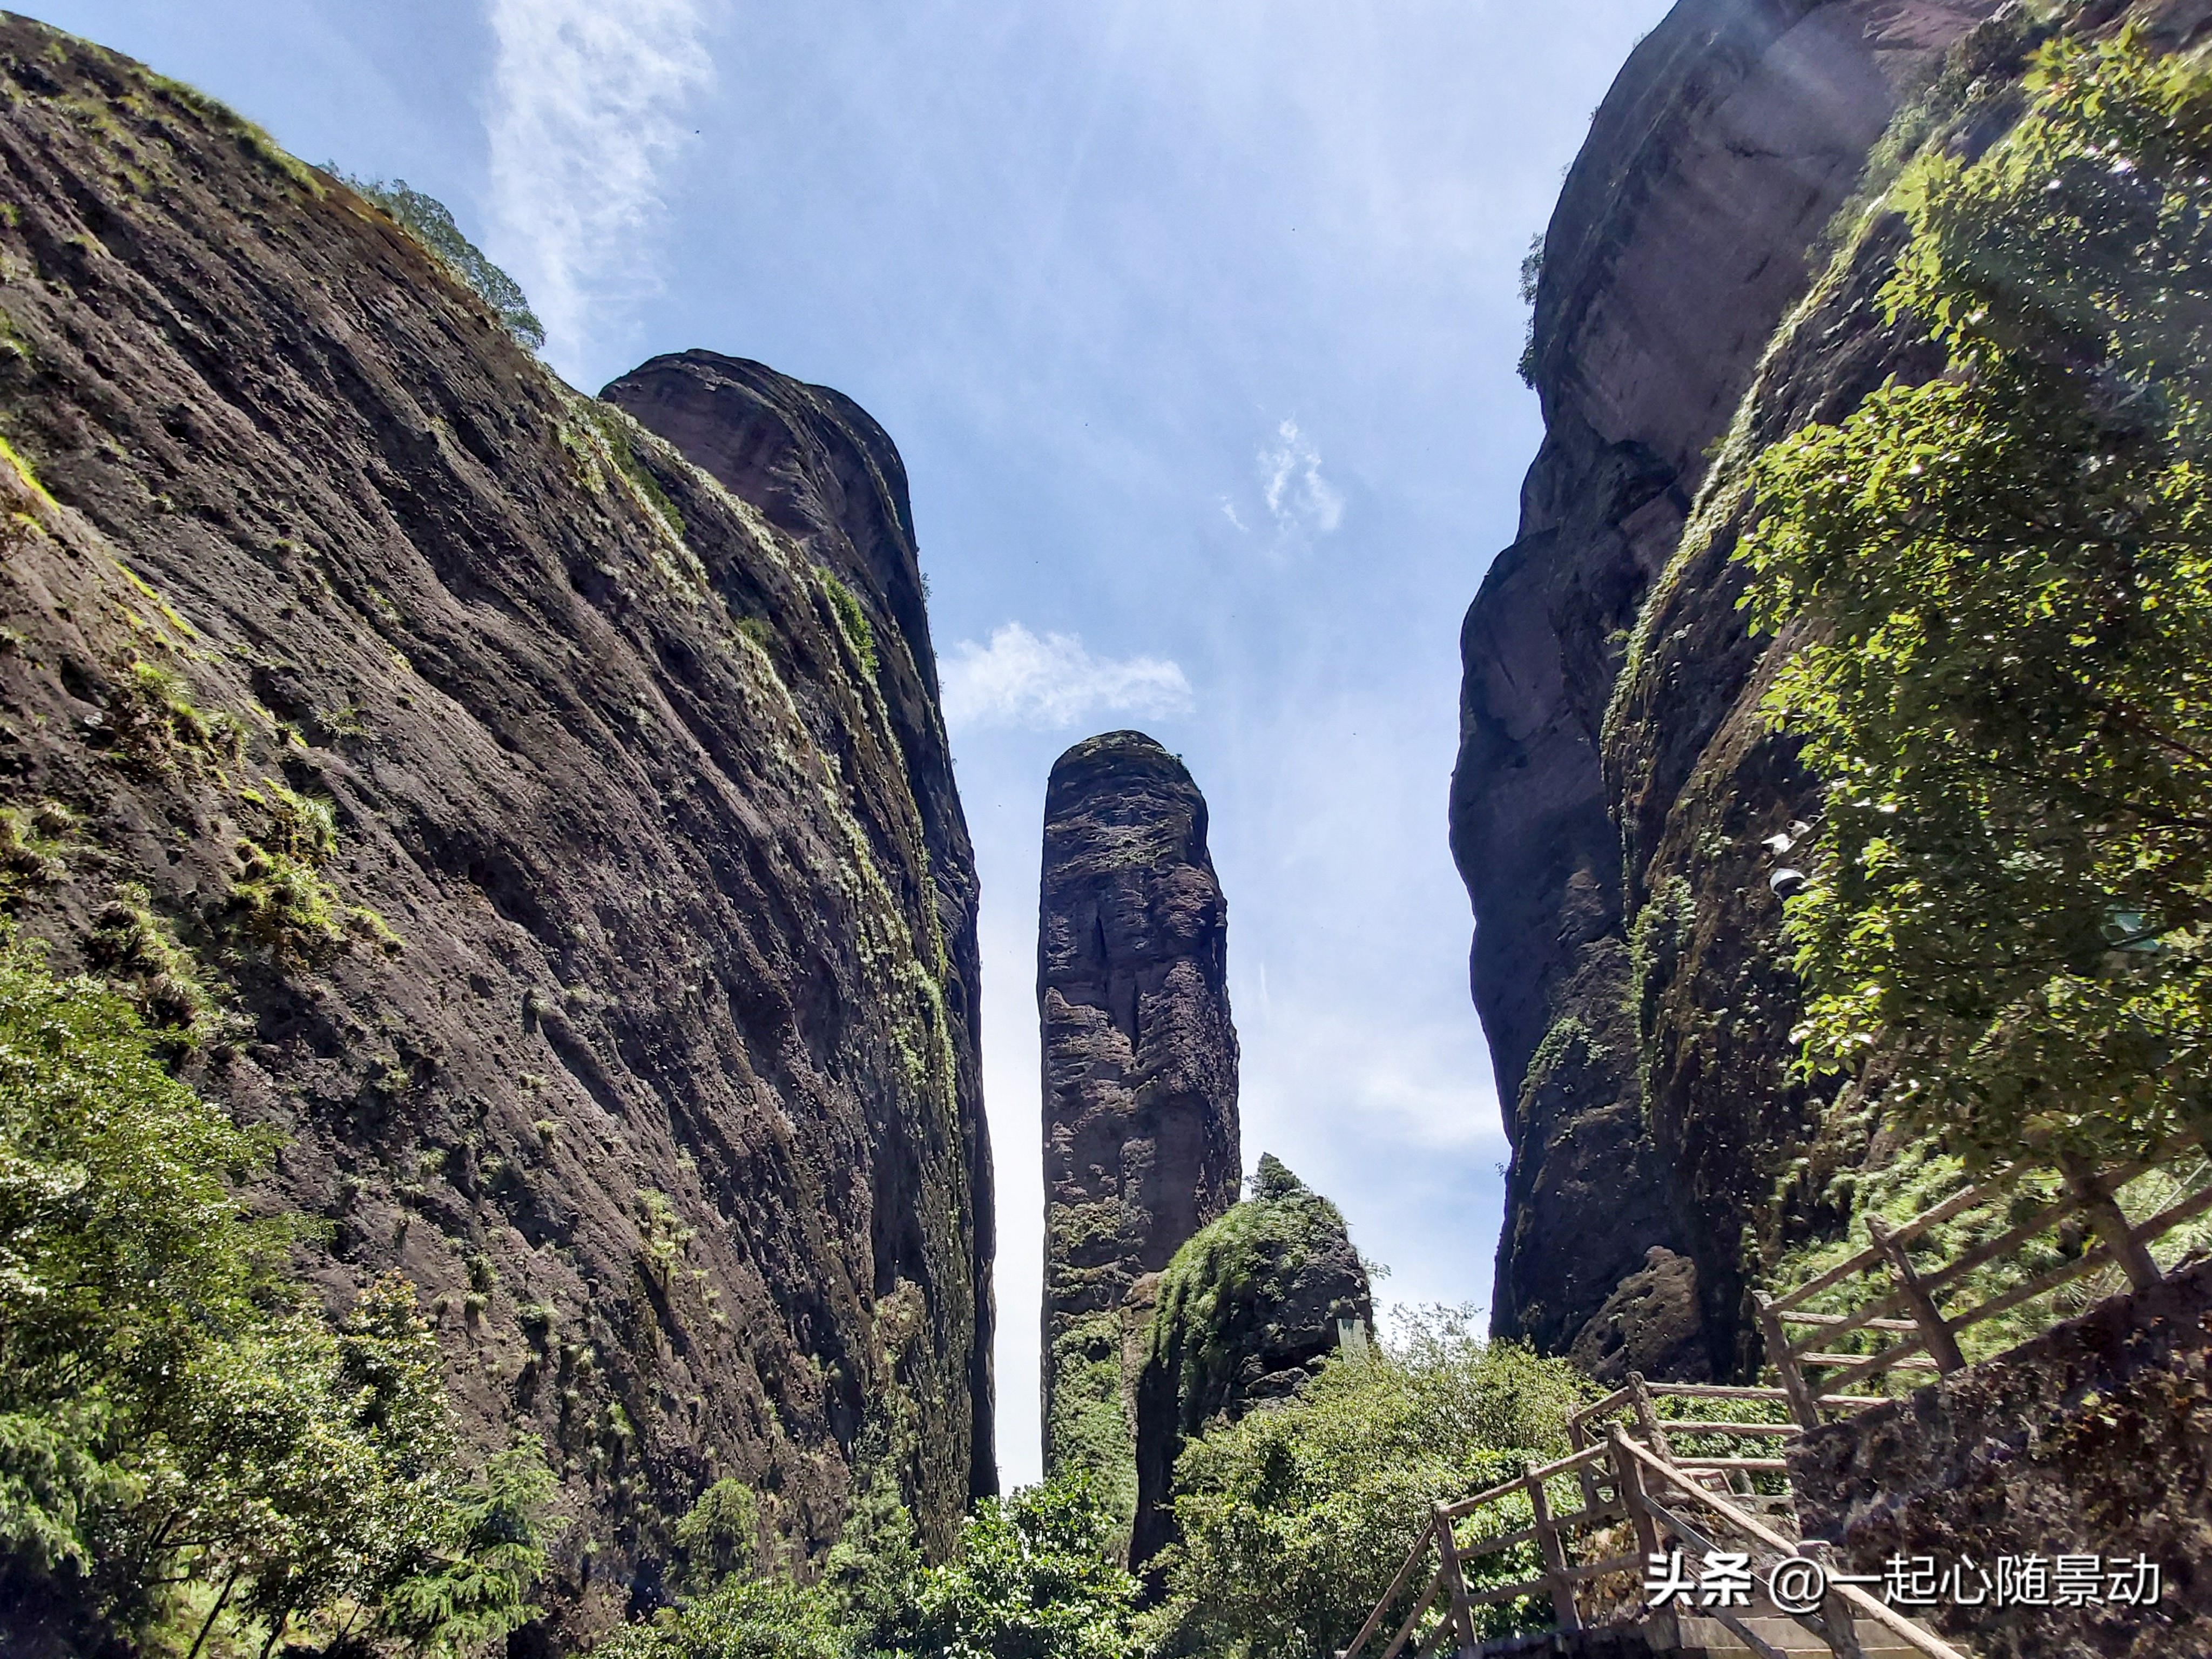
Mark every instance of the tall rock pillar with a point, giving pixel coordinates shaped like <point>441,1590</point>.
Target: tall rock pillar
<point>1141,1131</point>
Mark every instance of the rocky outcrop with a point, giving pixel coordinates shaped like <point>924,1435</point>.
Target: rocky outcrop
<point>2091,1440</point>
<point>1687,229</point>
<point>1245,1314</point>
<point>622,996</point>
<point>1140,1128</point>
<point>814,463</point>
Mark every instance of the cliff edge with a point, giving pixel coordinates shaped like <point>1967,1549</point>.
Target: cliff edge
<point>560,831</point>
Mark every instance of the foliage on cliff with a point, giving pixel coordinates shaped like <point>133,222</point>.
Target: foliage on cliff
<point>430,222</point>
<point>1034,1578</point>
<point>2005,578</point>
<point>1294,1518</point>
<point>1233,1279</point>
<point>187,1453</point>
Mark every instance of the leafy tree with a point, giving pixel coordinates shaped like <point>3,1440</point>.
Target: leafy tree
<point>175,1432</point>
<point>2002,585</point>
<point>1035,1578</point>
<point>744,1618</point>
<point>719,1536</point>
<point>1294,1519</point>
<point>431,224</point>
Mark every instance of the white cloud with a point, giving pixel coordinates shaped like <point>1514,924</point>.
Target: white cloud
<point>1297,494</point>
<point>1020,679</point>
<point>587,104</point>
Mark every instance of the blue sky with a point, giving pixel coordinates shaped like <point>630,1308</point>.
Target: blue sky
<point>1195,322</point>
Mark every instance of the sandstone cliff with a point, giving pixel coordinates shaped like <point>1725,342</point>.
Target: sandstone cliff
<point>1245,1313</point>
<point>1687,230</point>
<point>1140,1128</point>
<point>621,995</point>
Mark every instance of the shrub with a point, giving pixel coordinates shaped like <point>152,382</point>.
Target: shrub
<point>430,223</point>
<point>1294,1519</point>
<point>183,1450</point>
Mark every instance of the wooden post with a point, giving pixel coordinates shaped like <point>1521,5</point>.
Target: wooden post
<point>1462,1615</point>
<point>1942,1346</point>
<point>2110,1221</point>
<point>1802,1405</point>
<point>1628,1480</point>
<point>1843,1630</point>
<point>1553,1553</point>
<point>1647,1417</point>
<point>1579,1440</point>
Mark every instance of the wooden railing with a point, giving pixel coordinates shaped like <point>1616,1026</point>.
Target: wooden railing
<point>1627,1468</point>
<point>1644,1485</point>
<point>1906,1311</point>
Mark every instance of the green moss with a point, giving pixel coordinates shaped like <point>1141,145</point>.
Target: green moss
<point>1217,1294</point>
<point>1655,950</point>
<point>34,845</point>
<point>616,428</point>
<point>138,950</point>
<point>854,621</point>
<point>1086,1428</point>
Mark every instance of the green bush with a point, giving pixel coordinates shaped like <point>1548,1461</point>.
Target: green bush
<point>1294,1519</point>
<point>184,1450</point>
<point>431,224</point>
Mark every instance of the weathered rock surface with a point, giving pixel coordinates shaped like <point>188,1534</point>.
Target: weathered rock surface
<point>2094,1439</point>
<point>665,1092</point>
<point>1686,231</point>
<point>1245,1313</point>
<point>1141,1126</point>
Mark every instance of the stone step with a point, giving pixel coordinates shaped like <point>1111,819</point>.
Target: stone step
<point>1693,1637</point>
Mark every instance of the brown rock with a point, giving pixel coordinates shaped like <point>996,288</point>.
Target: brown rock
<point>1140,1131</point>
<point>663,1093</point>
<point>1684,233</point>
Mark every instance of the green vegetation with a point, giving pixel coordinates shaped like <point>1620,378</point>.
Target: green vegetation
<point>34,844</point>
<point>154,724</point>
<point>854,620</point>
<point>1294,1519</point>
<point>1032,1579</point>
<point>1229,1278</point>
<point>1088,1427</point>
<point>2005,579</point>
<point>282,899</point>
<point>430,223</point>
<point>135,947</point>
<point>188,1456</point>
<point>617,428</point>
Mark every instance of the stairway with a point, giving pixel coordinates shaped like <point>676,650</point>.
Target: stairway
<point>1684,1636</point>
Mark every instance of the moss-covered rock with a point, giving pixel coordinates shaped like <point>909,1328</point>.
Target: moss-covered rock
<point>1244,1314</point>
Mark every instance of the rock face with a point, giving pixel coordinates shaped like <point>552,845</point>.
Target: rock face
<point>1687,230</point>
<point>2090,1440</point>
<point>1244,1314</point>
<point>628,1009</point>
<point>1141,1129</point>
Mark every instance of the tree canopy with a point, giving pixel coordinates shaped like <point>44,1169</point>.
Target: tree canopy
<point>1999,585</point>
<point>186,1451</point>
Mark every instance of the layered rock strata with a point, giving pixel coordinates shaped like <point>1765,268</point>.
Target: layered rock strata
<point>1245,1313</point>
<point>1141,1126</point>
<point>1690,225</point>
<point>620,993</point>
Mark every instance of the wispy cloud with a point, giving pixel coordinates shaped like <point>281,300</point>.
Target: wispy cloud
<point>1051,682</point>
<point>587,104</point>
<point>1290,480</point>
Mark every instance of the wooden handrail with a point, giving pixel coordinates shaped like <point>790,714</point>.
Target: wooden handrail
<point>1925,1640</point>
